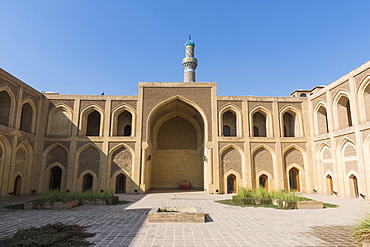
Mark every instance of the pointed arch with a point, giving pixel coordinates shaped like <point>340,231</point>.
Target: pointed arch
<point>120,159</point>
<point>291,122</point>
<point>23,165</point>
<point>230,116</point>
<point>87,180</point>
<point>88,157</point>
<point>263,162</point>
<point>232,158</point>
<point>28,116</point>
<point>363,94</point>
<point>60,121</point>
<point>5,157</point>
<point>320,115</point>
<point>295,159</point>
<point>123,121</point>
<point>261,123</point>
<point>342,108</point>
<point>152,117</point>
<point>7,106</point>
<point>92,121</point>
<point>54,155</point>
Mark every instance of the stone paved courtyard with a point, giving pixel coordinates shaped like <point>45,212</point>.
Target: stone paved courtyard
<point>126,225</point>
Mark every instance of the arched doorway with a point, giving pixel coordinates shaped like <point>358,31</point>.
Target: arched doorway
<point>354,186</point>
<point>121,183</point>
<point>55,178</point>
<point>231,184</point>
<point>176,141</point>
<point>17,186</point>
<point>329,185</point>
<point>263,181</point>
<point>88,182</point>
<point>294,179</point>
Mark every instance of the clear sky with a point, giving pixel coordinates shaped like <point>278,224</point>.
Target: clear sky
<point>262,48</point>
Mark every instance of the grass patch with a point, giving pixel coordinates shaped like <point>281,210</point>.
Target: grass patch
<point>62,196</point>
<point>232,203</point>
<point>362,230</point>
<point>329,205</point>
<point>15,206</point>
<point>56,235</point>
<point>263,193</point>
<point>261,197</point>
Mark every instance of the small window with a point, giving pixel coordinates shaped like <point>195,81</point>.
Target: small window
<point>302,95</point>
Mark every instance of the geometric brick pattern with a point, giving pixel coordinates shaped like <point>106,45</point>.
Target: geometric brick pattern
<point>293,156</point>
<point>121,160</point>
<point>57,154</point>
<point>350,151</point>
<point>262,160</point>
<point>89,159</point>
<point>231,160</point>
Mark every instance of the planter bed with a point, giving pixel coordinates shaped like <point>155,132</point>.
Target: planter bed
<point>280,203</point>
<point>175,214</point>
<point>69,204</point>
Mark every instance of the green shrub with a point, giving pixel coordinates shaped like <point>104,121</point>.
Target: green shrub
<point>362,230</point>
<point>263,193</point>
<point>95,194</point>
<point>56,196</point>
<point>61,196</point>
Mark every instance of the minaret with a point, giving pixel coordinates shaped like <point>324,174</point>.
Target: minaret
<point>189,62</point>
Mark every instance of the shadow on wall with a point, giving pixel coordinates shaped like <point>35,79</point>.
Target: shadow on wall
<point>76,158</point>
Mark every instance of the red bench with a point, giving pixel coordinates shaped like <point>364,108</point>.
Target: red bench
<point>185,185</point>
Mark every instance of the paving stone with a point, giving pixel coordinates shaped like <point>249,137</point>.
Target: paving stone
<point>126,225</point>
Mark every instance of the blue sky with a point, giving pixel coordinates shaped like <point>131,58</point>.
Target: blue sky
<point>262,48</point>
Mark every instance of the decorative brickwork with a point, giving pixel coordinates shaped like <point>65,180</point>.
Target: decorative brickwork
<point>20,161</point>
<point>60,124</point>
<point>89,159</point>
<point>349,151</point>
<point>121,160</point>
<point>1,155</point>
<point>268,144</point>
<point>365,134</point>
<point>9,138</point>
<point>57,154</point>
<point>321,98</point>
<point>253,104</point>
<point>361,76</point>
<point>87,103</point>
<point>224,144</point>
<point>293,156</point>
<point>342,87</point>
<point>326,154</point>
<point>302,145</point>
<point>54,102</point>
<point>48,143</point>
<point>177,133</point>
<point>154,96</point>
<point>351,165</point>
<point>296,105</point>
<point>34,99</point>
<point>97,144</point>
<point>118,103</point>
<point>14,88</point>
<point>231,160</point>
<point>328,167</point>
<point>114,144</point>
<point>262,161</point>
<point>350,136</point>
<point>237,104</point>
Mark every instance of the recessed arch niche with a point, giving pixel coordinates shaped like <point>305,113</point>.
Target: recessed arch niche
<point>176,145</point>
